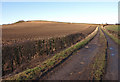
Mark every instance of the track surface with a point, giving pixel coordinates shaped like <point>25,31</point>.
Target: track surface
<point>112,67</point>
<point>76,67</point>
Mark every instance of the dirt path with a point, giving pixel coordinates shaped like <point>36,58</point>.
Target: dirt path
<point>76,67</point>
<point>112,67</point>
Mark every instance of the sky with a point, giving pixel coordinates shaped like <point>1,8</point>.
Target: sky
<point>77,12</point>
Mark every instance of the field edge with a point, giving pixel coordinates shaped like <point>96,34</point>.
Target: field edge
<point>38,71</point>
<point>111,36</point>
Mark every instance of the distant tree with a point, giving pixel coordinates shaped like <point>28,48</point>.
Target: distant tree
<point>20,21</point>
<point>106,23</point>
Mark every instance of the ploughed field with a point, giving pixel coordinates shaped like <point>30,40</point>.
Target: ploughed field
<point>27,44</point>
<point>24,31</point>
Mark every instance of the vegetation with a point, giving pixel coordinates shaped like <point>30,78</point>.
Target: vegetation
<point>100,60</point>
<point>24,52</point>
<point>47,65</point>
<point>30,41</point>
<point>113,35</point>
<point>113,28</point>
<point>20,21</point>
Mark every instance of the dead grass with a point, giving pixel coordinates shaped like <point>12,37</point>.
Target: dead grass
<point>50,63</point>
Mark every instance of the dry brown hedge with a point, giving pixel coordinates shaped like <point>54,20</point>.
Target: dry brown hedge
<point>15,55</point>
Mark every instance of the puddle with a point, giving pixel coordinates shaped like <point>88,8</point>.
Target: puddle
<point>112,54</point>
<point>111,48</point>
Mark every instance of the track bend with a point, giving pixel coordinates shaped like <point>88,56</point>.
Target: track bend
<point>76,67</point>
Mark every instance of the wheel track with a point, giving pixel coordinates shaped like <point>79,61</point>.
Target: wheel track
<point>112,64</point>
<point>76,67</point>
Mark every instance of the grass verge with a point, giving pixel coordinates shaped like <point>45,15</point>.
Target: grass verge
<point>100,60</point>
<point>113,28</point>
<point>37,72</point>
<point>112,36</point>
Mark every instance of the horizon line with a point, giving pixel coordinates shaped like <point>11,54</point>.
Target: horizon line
<point>52,21</point>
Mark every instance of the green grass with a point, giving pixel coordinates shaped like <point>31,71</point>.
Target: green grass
<point>113,28</point>
<point>99,63</point>
<point>112,36</point>
<point>99,66</point>
<point>48,64</point>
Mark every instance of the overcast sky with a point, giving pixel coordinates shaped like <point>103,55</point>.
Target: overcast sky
<point>79,12</point>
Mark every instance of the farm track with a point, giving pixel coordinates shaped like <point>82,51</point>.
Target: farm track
<point>112,66</point>
<point>76,67</point>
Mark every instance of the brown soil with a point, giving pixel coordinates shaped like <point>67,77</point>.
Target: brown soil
<point>25,31</point>
<point>21,32</point>
<point>77,66</point>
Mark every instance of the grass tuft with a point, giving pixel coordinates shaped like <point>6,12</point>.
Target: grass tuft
<point>99,63</point>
